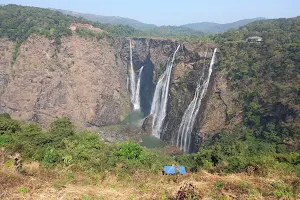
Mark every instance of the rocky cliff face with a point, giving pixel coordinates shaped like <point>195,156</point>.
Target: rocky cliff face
<point>153,54</point>
<point>220,108</point>
<point>190,60</point>
<point>84,79</point>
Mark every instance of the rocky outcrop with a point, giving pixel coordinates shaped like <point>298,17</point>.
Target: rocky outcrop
<point>83,78</point>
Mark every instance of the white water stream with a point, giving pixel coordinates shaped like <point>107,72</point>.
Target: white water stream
<point>188,119</point>
<point>160,98</point>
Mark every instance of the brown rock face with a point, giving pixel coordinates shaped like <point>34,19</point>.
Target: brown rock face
<point>223,108</point>
<point>83,79</point>
<point>6,51</point>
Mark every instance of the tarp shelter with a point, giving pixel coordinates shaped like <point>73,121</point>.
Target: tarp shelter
<point>174,170</point>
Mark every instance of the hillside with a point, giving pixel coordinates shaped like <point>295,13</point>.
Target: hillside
<point>109,19</point>
<point>210,27</point>
<point>265,76</point>
<point>172,31</point>
<point>49,23</point>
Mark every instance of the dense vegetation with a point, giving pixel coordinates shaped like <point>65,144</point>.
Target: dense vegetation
<point>266,78</point>
<point>18,22</point>
<point>61,145</point>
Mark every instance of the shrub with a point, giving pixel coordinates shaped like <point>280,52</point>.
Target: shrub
<point>9,125</point>
<point>51,157</point>
<point>281,189</point>
<point>295,158</point>
<point>5,139</point>
<point>219,185</point>
<point>187,160</point>
<point>31,129</point>
<point>130,150</point>
<point>5,115</point>
<point>202,157</point>
<point>9,163</point>
<point>187,191</point>
<point>236,164</point>
<point>62,127</point>
<point>23,190</point>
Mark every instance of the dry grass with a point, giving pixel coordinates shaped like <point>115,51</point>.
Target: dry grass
<point>41,183</point>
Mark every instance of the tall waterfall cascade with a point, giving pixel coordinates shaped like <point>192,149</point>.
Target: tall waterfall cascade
<point>190,114</point>
<point>137,97</point>
<point>160,98</point>
<point>134,87</point>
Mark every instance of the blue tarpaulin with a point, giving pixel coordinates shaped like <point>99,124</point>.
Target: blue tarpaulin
<point>170,169</point>
<point>182,170</point>
<point>174,170</point>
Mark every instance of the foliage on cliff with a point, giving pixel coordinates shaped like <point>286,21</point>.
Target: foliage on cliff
<point>18,22</point>
<point>266,77</point>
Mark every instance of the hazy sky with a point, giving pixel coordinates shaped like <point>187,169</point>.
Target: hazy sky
<point>175,12</point>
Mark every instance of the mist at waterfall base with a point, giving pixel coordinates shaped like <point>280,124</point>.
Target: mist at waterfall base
<point>151,141</point>
<point>190,114</point>
<point>160,98</point>
<point>134,118</point>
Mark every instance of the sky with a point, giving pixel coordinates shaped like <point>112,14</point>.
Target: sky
<point>175,12</point>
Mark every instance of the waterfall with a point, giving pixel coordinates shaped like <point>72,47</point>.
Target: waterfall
<point>137,98</point>
<point>160,98</point>
<point>188,119</point>
<point>134,89</point>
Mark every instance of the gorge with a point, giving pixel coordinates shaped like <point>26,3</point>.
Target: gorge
<point>57,89</point>
<point>155,120</point>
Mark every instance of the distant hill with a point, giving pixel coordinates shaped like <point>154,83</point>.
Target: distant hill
<point>172,31</point>
<point>210,27</point>
<point>109,19</point>
<point>148,29</point>
<point>206,27</point>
